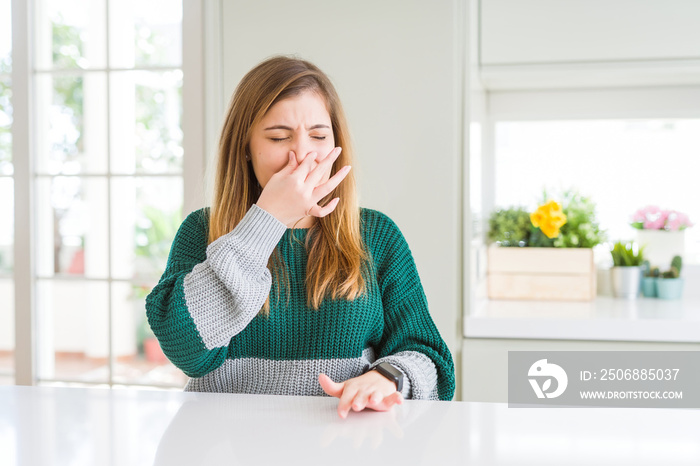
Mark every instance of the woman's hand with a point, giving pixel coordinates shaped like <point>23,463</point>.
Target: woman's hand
<point>370,390</point>
<point>294,192</point>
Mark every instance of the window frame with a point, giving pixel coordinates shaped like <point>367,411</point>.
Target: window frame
<point>489,107</point>
<point>25,177</point>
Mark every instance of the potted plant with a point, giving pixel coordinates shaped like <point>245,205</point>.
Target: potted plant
<point>546,254</point>
<point>670,285</point>
<point>651,275</point>
<point>661,231</point>
<point>509,227</point>
<point>626,273</point>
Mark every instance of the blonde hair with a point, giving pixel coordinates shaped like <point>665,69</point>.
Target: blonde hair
<point>336,253</point>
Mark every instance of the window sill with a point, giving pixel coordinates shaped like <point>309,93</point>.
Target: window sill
<point>605,318</point>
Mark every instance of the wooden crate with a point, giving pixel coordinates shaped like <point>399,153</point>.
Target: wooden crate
<point>552,274</point>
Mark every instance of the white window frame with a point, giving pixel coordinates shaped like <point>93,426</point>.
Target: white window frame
<point>24,179</point>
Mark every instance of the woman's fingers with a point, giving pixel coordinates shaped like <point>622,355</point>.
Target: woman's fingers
<point>306,166</point>
<point>389,401</point>
<point>323,169</point>
<point>375,398</point>
<point>326,188</point>
<point>346,399</point>
<point>292,162</point>
<point>360,401</point>
<point>363,392</point>
<point>318,211</point>
<point>331,388</point>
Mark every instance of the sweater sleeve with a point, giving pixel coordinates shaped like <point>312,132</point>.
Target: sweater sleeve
<point>209,294</point>
<point>410,340</point>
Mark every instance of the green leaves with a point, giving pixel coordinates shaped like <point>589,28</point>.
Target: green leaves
<point>510,227</point>
<point>624,254</point>
<point>581,229</point>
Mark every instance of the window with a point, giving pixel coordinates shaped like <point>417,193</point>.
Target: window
<point>622,164</point>
<point>107,182</point>
<point>7,291</point>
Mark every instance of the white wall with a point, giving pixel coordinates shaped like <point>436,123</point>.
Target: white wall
<point>399,69</point>
<point>549,44</point>
<point>575,31</point>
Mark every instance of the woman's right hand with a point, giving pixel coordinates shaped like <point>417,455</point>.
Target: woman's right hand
<point>294,192</point>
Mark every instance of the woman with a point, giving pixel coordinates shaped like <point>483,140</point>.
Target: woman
<point>286,286</point>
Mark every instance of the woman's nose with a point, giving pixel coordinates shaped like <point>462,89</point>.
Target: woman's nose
<point>302,151</point>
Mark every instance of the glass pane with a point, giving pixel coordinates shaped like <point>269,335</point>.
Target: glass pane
<point>7,330</point>
<point>5,127</point>
<point>72,341</point>
<point>70,34</point>
<point>7,226</point>
<point>475,186</point>
<point>146,111</point>
<point>145,33</point>
<point>71,122</point>
<point>7,288</point>
<point>139,357</point>
<point>147,213</point>
<point>5,36</point>
<point>623,165</point>
<point>72,227</point>
<point>7,285</point>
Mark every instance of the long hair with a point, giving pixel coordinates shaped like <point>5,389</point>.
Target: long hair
<point>336,253</point>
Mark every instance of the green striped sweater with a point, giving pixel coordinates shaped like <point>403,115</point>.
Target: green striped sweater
<point>205,313</point>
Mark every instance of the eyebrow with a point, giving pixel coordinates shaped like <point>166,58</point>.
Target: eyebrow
<point>290,129</point>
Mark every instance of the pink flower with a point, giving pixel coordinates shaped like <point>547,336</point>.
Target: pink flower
<point>647,213</point>
<point>677,221</point>
<point>655,223</point>
<point>652,217</point>
<point>685,220</point>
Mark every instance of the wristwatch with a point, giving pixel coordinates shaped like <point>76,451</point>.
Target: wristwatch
<point>391,373</point>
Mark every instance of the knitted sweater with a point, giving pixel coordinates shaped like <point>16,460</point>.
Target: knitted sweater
<point>205,313</point>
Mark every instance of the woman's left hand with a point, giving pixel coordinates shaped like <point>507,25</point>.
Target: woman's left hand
<point>370,390</point>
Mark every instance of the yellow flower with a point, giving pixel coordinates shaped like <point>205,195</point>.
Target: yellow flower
<point>549,218</point>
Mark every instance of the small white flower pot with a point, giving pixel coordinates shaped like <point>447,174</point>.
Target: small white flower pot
<point>626,281</point>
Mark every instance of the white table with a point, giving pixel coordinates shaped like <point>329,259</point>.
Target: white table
<point>76,426</point>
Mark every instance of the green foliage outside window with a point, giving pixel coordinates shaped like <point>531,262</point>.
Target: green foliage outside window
<point>155,231</point>
<point>5,115</point>
<point>5,124</point>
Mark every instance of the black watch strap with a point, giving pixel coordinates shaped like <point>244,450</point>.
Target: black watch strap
<point>391,373</point>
